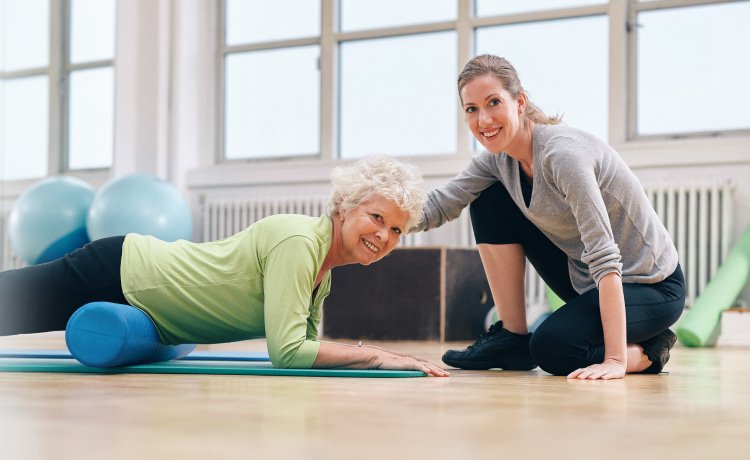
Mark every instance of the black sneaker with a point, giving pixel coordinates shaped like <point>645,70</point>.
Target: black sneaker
<point>657,350</point>
<point>496,348</point>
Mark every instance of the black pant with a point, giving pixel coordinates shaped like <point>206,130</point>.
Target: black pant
<point>572,337</point>
<point>42,298</point>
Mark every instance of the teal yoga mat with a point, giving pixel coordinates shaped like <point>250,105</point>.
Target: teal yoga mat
<point>72,366</point>
<point>193,356</point>
<point>701,320</point>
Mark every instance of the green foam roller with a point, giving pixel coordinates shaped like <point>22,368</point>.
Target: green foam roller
<point>554,300</point>
<point>699,323</point>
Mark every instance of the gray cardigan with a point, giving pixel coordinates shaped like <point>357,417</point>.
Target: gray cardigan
<point>585,199</point>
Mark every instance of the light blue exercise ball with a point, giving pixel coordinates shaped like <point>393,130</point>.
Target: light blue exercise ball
<point>49,219</point>
<point>139,203</point>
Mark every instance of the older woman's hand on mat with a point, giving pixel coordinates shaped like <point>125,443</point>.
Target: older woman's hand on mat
<point>393,361</point>
<point>356,357</point>
<point>609,369</point>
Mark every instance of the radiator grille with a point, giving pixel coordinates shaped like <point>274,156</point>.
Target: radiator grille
<point>697,215</point>
<point>225,217</point>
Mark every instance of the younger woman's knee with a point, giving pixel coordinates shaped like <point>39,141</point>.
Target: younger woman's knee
<point>551,352</point>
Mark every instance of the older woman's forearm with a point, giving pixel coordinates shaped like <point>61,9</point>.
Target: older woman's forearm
<point>357,357</point>
<point>350,356</point>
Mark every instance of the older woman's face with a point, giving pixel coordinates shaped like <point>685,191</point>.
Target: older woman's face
<point>372,229</point>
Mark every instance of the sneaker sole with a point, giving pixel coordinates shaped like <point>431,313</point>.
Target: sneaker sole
<point>486,365</point>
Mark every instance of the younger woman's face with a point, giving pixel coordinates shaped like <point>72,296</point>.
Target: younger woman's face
<point>372,229</point>
<point>492,114</point>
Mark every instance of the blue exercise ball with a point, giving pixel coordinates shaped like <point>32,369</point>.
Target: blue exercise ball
<point>139,203</point>
<point>49,219</point>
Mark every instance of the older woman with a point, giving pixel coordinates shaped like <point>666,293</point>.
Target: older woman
<point>269,280</point>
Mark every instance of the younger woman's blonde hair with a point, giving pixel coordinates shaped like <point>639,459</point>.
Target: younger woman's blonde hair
<point>488,64</point>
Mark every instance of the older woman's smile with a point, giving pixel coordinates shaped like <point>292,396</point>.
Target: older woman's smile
<point>371,246</point>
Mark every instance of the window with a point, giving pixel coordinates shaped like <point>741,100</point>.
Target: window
<point>400,103</point>
<point>271,79</point>
<point>363,15</point>
<point>693,68</point>
<point>91,84</point>
<point>91,118</point>
<point>24,98</point>
<point>56,102</point>
<point>272,103</point>
<point>562,65</point>
<point>25,127</point>
<point>354,77</point>
<point>256,21</point>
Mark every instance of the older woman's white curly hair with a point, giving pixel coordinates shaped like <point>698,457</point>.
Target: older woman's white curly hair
<point>379,175</point>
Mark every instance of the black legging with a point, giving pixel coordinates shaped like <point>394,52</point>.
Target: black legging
<point>42,298</point>
<point>572,337</point>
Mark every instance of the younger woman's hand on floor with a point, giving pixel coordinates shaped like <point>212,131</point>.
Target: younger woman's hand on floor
<point>607,370</point>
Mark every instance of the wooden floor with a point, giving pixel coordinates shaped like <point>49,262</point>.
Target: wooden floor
<point>700,410</point>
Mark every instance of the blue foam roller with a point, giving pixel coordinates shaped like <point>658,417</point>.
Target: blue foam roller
<point>106,334</point>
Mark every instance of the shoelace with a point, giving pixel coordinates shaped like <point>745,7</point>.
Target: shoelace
<point>486,335</point>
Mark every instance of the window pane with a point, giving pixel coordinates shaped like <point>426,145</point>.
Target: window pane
<point>250,21</point>
<point>92,30</point>
<point>91,120</point>
<point>366,14</point>
<point>25,39</point>
<point>563,65</point>
<point>402,102</point>
<point>496,8</point>
<point>25,128</point>
<point>693,70</point>
<point>272,103</point>
<point>2,134</point>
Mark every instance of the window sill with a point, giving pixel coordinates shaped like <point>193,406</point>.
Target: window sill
<point>686,152</point>
<point>638,155</point>
<point>299,171</point>
<point>11,189</point>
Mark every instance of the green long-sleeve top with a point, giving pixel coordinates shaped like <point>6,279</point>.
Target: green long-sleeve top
<point>257,283</point>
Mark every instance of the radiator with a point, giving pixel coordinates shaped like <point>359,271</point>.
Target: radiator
<point>225,217</point>
<point>697,215</point>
